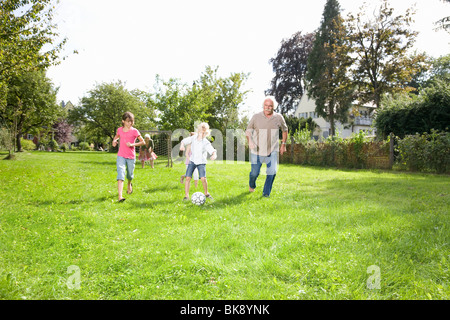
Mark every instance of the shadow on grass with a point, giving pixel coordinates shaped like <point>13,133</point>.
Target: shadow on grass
<point>71,202</point>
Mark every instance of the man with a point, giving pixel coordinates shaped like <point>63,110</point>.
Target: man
<point>262,136</point>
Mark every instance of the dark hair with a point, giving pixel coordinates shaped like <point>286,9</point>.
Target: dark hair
<point>128,115</point>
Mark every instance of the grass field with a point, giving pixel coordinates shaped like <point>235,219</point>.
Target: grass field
<point>323,233</point>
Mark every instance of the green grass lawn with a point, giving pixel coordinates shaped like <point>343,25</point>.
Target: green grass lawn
<point>316,237</point>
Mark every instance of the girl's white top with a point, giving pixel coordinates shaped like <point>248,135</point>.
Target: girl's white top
<point>199,148</point>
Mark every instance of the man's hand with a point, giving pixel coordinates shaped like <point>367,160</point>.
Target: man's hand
<point>213,156</point>
<point>182,147</point>
<point>282,148</point>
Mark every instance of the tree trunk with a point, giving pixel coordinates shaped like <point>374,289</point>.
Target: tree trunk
<point>331,119</point>
<point>18,142</point>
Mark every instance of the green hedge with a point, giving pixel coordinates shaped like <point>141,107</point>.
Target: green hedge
<point>427,152</point>
<point>359,151</point>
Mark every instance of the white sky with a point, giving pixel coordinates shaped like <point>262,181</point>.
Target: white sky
<point>134,40</point>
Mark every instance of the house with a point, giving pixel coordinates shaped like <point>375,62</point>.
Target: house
<point>361,122</point>
<point>67,106</point>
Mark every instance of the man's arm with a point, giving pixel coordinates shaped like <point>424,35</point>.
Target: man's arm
<point>283,142</point>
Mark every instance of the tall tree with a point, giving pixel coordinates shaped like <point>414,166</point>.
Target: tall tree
<point>101,110</point>
<point>177,105</point>
<point>26,31</point>
<point>381,46</point>
<point>290,66</point>
<point>210,98</point>
<point>221,97</point>
<point>31,103</point>
<point>444,23</point>
<point>328,81</point>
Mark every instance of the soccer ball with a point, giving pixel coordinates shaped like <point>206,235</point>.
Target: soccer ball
<point>198,198</point>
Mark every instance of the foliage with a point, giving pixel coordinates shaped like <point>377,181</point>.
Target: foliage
<point>31,103</point>
<point>405,116</point>
<point>6,140</point>
<point>334,151</point>
<point>380,46</point>
<point>64,147</point>
<point>53,145</point>
<point>84,146</point>
<point>101,110</point>
<point>302,135</point>
<point>221,97</point>
<point>289,66</point>
<point>328,64</point>
<point>63,131</point>
<point>177,105</point>
<point>444,23</point>
<point>439,70</point>
<point>27,144</point>
<point>425,152</point>
<point>211,98</point>
<point>26,30</point>
<point>295,124</point>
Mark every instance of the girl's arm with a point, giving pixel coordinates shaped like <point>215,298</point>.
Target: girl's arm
<point>115,139</point>
<point>138,144</point>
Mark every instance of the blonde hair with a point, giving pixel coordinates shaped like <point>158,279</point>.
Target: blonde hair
<point>204,125</point>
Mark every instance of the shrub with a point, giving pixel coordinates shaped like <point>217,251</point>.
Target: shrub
<point>84,146</point>
<point>27,144</point>
<point>64,147</point>
<point>53,145</point>
<point>410,116</point>
<point>425,152</point>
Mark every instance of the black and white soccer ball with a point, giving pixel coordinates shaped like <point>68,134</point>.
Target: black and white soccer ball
<point>198,198</point>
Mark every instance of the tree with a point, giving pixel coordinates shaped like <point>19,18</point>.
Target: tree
<point>221,97</point>
<point>31,103</point>
<point>297,124</point>
<point>211,98</point>
<point>177,105</point>
<point>290,66</point>
<point>444,23</point>
<point>435,68</point>
<point>63,131</point>
<point>328,81</point>
<point>381,48</point>
<point>102,109</point>
<point>407,115</point>
<point>26,30</point>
